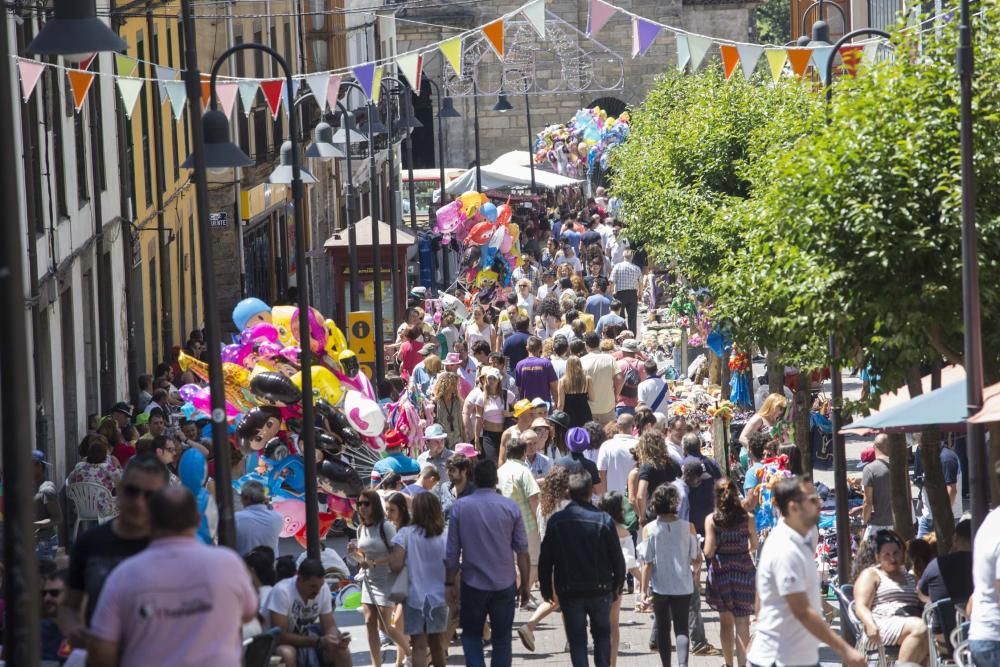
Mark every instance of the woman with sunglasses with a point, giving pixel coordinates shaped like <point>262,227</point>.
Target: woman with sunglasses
<point>885,596</point>
<point>371,551</point>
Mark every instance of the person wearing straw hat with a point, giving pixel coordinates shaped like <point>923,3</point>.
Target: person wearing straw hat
<point>436,454</point>
<point>524,413</point>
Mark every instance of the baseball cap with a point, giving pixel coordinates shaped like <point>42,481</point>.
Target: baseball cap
<point>142,419</point>
<point>38,456</point>
<point>521,407</point>
<point>537,402</point>
<point>123,408</point>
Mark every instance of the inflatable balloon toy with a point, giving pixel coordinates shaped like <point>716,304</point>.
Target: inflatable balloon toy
<point>448,220</point>
<point>489,211</point>
<point>259,425</point>
<point>349,363</point>
<point>471,201</point>
<point>317,330</point>
<point>363,414</point>
<point>325,385</point>
<point>249,312</point>
<point>260,332</point>
<point>282,318</point>
<point>480,233</point>
<point>193,472</point>
<point>275,388</point>
<point>335,340</point>
<point>504,213</point>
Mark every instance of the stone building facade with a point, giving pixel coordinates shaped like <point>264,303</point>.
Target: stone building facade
<point>561,65</point>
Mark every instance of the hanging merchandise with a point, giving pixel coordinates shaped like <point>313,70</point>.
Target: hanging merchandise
<point>574,149</point>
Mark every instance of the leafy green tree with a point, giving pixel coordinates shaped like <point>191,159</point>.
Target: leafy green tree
<point>774,21</point>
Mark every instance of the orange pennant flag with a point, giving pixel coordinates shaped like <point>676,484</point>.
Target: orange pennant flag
<point>851,55</point>
<point>799,60</point>
<point>80,82</point>
<point>494,35</point>
<point>206,89</point>
<point>730,58</point>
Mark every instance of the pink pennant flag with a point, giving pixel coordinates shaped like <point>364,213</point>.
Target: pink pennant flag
<point>333,91</point>
<point>226,92</point>
<point>600,12</point>
<point>31,71</point>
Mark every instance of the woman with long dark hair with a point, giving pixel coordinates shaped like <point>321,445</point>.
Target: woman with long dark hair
<point>730,538</point>
<point>613,503</point>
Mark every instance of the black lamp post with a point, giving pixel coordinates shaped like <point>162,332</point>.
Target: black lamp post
<point>446,109</point>
<point>475,112</point>
<point>391,190</point>
<point>347,136</point>
<point>836,382</point>
<point>213,150</point>
<point>408,121</point>
<point>503,106</point>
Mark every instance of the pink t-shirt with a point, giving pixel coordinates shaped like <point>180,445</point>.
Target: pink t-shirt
<point>179,603</point>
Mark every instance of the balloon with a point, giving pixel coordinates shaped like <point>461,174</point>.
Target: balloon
<point>249,312</point>
<point>317,329</point>
<point>448,218</point>
<point>233,353</point>
<point>481,233</point>
<point>325,384</point>
<point>294,514</point>
<point>471,201</point>
<point>193,471</point>
<point>260,332</point>
<point>489,211</point>
<point>506,243</point>
<point>363,414</point>
<point>282,318</point>
<point>504,213</point>
<point>275,387</point>
<point>341,477</point>
<point>335,341</point>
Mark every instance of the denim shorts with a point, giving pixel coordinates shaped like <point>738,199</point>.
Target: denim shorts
<point>429,621</point>
<point>985,653</point>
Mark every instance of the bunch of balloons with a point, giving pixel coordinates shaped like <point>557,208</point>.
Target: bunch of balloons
<point>490,242</point>
<point>263,391</point>
<point>575,148</point>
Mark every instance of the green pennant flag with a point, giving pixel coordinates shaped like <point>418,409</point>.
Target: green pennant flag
<point>126,66</point>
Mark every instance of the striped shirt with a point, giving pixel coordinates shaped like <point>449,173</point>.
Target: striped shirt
<point>626,276</point>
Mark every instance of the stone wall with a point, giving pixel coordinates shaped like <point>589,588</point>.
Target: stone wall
<point>504,132</point>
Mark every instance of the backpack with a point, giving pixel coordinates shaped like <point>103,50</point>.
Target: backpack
<point>630,388</point>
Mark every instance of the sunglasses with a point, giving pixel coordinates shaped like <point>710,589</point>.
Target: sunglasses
<point>364,503</point>
<point>133,491</point>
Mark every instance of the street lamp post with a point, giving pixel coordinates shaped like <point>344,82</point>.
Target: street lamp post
<point>475,124</point>
<point>503,105</point>
<point>446,109</point>
<point>392,190</point>
<point>346,119</point>
<point>220,153</point>
<point>375,127</point>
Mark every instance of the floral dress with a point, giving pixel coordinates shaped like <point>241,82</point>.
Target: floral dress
<point>106,474</point>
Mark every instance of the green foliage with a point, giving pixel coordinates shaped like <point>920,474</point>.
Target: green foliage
<point>774,21</point>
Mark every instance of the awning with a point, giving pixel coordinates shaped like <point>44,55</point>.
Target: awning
<point>943,408</point>
<point>505,173</point>
<point>363,231</point>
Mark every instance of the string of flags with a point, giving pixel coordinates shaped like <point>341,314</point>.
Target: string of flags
<point>692,51</point>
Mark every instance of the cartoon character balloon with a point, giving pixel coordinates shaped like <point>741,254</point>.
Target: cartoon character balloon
<point>193,471</point>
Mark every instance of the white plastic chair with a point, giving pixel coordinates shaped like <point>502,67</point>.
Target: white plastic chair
<point>90,498</point>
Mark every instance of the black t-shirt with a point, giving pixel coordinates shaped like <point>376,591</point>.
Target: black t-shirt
<point>95,554</point>
<point>515,348</point>
<point>654,478</point>
<point>574,462</point>
<point>948,576</point>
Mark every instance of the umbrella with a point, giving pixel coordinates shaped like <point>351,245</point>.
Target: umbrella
<point>991,406</point>
<point>944,408</point>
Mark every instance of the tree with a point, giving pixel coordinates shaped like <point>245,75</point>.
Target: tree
<point>774,21</point>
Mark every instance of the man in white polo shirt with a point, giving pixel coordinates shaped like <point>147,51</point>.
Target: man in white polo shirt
<point>790,624</point>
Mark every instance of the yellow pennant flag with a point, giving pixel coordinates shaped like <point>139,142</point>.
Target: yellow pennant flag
<point>776,61</point>
<point>377,84</point>
<point>452,51</point>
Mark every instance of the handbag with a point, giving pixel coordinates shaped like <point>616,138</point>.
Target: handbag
<point>399,585</point>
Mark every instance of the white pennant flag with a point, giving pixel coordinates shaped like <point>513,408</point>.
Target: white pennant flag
<point>409,65</point>
<point>226,92</point>
<point>870,51</point>
<point>749,55</point>
<point>683,52</point>
<point>248,91</point>
<point>177,96</point>
<point>387,27</point>
<point>535,13</point>
<point>698,47</point>
<point>129,88</point>
<point>319,86</point>
<point>164,74</point>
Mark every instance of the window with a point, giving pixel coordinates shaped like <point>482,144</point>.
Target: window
<point>54,121</point>
<point>260,135</point>
<point>173,123</point>
<point>258,55</point>
<point>29,144</point>
<point>274,45</point>
<point>80,139</point>
<point>97,138</point>
<point>147,168</point>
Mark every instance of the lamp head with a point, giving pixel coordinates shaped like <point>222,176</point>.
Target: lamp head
<point>322,146</point>
<point>407,119</point>
<point>820,34</point>
<point>75,32</point>
<point>502,104</point>
<point>448,109</point>
<point>220,152</point>
<point>282,174</point>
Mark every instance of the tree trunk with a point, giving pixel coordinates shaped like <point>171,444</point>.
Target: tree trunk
<point>802,441</point>
<point>727,377</point>
<point>899,486</point>
<point>775,372</point>
<point>937,495</point>
<point>994,462</point>
<point>714,368</point>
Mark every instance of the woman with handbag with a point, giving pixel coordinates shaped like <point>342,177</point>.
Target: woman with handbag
<point>730,538</point>
<point>371,551</point>
<point>417,556</point>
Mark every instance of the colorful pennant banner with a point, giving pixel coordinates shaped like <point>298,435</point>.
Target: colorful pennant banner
<point>129,89</point>
<point>493,32</point>
<point>125,65</point>
<point>226,92</point>
<point>535,13</point>
<point>410,66</point>
<point>643,34</point>
<point>730,58</point>
<point>452,51</point>
<point>319,85</point>
<point>272,89</point>
<point>600,13</point>
<point>80,83</point>
<point>30,72</point>
<point>749,55</point>
<point>177,95</point>
<point>333,91</point>
<point>248,92</point>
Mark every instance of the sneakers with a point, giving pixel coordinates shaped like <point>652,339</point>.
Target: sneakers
<point>527,637</point>
<point>705,649</point>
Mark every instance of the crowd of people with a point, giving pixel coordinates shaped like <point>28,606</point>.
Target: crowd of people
<point>551,475</point>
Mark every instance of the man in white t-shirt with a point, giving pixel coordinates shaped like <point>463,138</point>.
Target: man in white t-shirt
<point>677,428</point>
<point>614,459</point>
<point>653,391</point>
<point>790,622</point>
<point>301,608</point>
<point>984,606</point>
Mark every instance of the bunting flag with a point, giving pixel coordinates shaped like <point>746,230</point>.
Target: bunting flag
<point>535,13</point>
<point>333,92</point>
<point>177,96</point>
<point>88,61</point>
<point>452,51</point>
<point>164,74</point>
<point>365,75</point>
<point>683,52</point>
<point>410,66</point>
<point>126,66</point>
<point>799,60</point>
<point>698,47</point>
<point>730,58</point>
<point>851,54</point>
<point>80,82</point>
<point>600,13</point>
<point>248,91</point>
<point>319,85</point>
<point>749,55</point>
<point>226,94</point>
<point>31,72</point>
<point>821,59</point>
<point>206,90</point>
<point>776,61</point>
<point>129,89</point>
<point>870,51</point>
<point>494,35</point>
<point>377,84</point>
<point>643,34</point>
<point>273,90</point>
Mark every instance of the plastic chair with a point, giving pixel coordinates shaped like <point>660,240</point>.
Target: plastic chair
<point>939,617</point>
<point>845,596</point>
<point>89,498</point>
<point>257,650</point>
<point>868,648</point>
<point>963,657</point>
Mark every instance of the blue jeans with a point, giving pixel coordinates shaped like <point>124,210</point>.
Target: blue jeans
<point>575,613</point>
<point>925,525</point>
<point>624,410</point>
<point>476,605</point>
<point>985,652</point>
